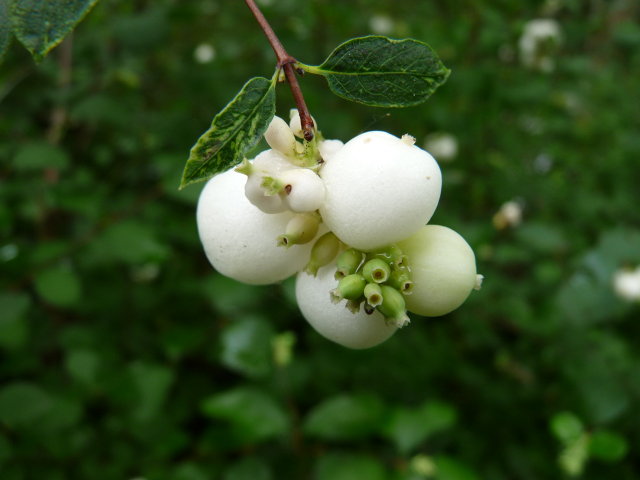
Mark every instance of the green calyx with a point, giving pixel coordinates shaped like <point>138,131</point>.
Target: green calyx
<point>373,294</point>
<point>323,252</point>
<point>350,287</point>
<point>378,279</point>
<point>301,229</point>
<point>376,270</point>
<point>348,262</point>
<point>393,306</point>
<point>272,186</point>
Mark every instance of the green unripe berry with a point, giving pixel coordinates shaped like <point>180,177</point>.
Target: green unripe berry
<point>348,262</point>
<point>376,270</point>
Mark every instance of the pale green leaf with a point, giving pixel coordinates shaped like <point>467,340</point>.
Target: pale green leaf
<point>41,25</point>
<point>234,131</point>
<point>383,72</point>
<point>608,446</point>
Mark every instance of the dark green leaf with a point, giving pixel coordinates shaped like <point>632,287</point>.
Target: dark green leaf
<point>59,286</point>
<point>249,468</point>
<point>608,446</point>
<point>23,403</point>
<point>233,132</point>
<point>14,328</point>
<point>5,27</point>
<point>410,427</point>
<point>383,72</point>
<point>342,466</point>
<point>345,417</point>
<point>246,346</point>
<point>40,26</point>
<point>253,414</point>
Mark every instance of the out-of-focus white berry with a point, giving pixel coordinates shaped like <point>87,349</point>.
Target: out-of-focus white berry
<point>204,53</point>
<point>303,190</point>
<point>328,149</point>
<point>239,239</point>
<point>335,321</point>
<point>537,42</point>
<point>626,284</point>
<point>443,146</point>
<point>280,137</point>
<point>381,24</point>
<point>443,270</point>
<point>509,215</point>
<point>379,190</point>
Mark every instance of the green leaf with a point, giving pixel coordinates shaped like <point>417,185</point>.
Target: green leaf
<point>5,27</point>
<point>410,427</point>
<point>343,466</point>
<point>608,446</point>
<point>59,286</point>
<point>23,404</point>
<point>345,417</point>
<point>383,72</point>
<point>40,25</point>
<point>152,383</point>
<point>39,155</point>
<point>246,346</point>
<point>567,427</point>
<point>249,468</point>
<point>233,132</point>
<point>253,414</point>
<point>14,328</point>
<point>448,468</point>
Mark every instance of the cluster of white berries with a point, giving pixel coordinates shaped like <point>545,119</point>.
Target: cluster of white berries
<point>351,221</point>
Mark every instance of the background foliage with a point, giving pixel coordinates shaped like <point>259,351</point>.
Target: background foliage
<point>124,355</point>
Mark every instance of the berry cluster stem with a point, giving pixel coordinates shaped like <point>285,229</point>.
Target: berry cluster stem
<point>287,63</point>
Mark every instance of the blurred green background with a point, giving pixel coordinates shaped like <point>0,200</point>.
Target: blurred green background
<point>123,355</point>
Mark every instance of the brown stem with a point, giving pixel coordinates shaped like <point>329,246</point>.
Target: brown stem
<point>286,62</point>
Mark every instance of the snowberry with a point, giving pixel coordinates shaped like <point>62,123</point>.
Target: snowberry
<point>333,320</point>
<point>443,270</point>
<point>380,189</point>
<point>239,239</point>
<point>329,148</point>
<point>303,189</point>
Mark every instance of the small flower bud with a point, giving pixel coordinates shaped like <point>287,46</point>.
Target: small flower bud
<point>373,294</point>
<point>328,148</point>
<point>376,270</point>
<point>348,263</point>
<point>280,137</point>
<point>400,279</point>
<point>350,287</point>
<point>393,306</point>
<point>301,229</point>
<point>323,252</point>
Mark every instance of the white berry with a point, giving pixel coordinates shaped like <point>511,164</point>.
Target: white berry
<point>335,321</point>
<point>379,190</point>
<point>443,270</point>
<point>303,189</point>
<point>239,239</point>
